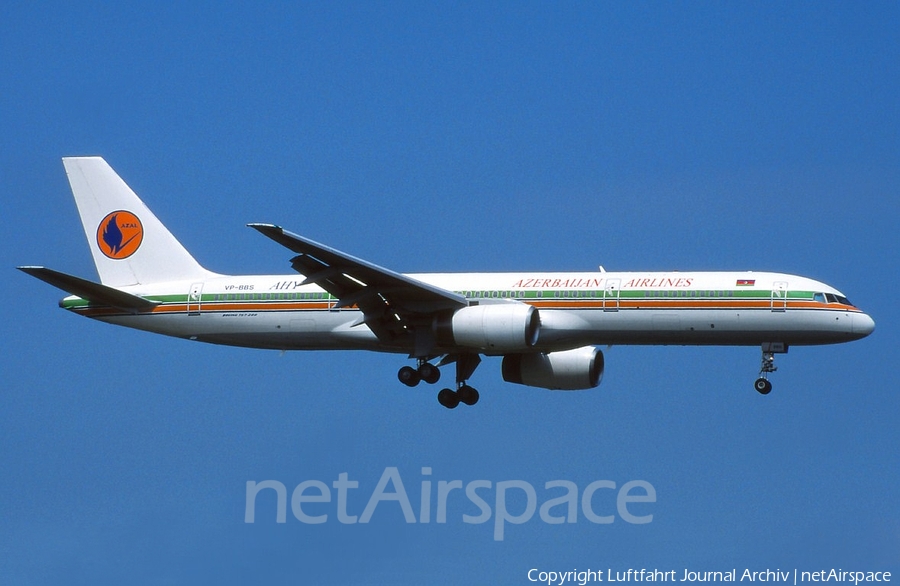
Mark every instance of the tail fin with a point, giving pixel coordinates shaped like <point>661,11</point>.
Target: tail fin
<point>129,244</point>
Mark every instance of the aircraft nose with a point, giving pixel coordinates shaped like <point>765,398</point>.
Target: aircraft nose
<point>862,324</point>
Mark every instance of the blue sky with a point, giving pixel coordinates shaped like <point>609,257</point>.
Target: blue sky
<point>450,137</point>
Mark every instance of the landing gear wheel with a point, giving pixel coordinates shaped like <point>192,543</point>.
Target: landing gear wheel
<point>409,376</point>
<point>762,386</point>
<point>448,398</point>
<point>467,395</point>
<point>429,373</point>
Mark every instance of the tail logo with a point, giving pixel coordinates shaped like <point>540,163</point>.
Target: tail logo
<point>119,235</point>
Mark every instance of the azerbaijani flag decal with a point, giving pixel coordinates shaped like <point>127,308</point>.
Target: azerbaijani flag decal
<point>745,282</point>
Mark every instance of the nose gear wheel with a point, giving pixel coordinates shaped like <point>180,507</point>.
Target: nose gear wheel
<point>762,384</point>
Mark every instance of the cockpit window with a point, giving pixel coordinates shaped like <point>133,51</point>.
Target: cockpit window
<point>820,297</point>
<point>832,298</point>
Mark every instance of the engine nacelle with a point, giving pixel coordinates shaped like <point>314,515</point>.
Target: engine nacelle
<point>569,370</point>
<point>491,329</point>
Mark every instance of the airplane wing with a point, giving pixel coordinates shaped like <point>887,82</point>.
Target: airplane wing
<point>393,304</point>
<point>93,292</point>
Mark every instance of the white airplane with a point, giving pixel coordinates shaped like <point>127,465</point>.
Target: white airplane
<point>546,326</point>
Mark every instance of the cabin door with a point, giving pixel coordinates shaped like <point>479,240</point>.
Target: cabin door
<point>194,296</point>
<point>611,294</point>
<point>779,295</point>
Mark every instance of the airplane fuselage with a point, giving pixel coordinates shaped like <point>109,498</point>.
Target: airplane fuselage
<point>576,309</point>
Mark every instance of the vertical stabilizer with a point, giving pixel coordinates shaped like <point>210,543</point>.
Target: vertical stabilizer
<point>129,244</point>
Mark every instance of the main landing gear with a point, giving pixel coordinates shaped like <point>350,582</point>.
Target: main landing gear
<point>762,384</point>
<point>464,394</point>
<point>425,371</point>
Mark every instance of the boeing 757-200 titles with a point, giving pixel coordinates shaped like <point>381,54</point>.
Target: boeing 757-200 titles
<point>546,326</point>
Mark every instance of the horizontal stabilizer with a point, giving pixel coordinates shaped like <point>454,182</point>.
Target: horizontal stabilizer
<point>93,292</point>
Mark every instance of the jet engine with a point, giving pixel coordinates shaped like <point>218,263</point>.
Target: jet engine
<point>491,329</point>
<point>569,370</point>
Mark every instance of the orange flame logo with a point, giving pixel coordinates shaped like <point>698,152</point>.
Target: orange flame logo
<point>120,235</point>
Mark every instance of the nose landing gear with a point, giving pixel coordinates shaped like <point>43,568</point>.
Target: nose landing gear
<point>769,349</point>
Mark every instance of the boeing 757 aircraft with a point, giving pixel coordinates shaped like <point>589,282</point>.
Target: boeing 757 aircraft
<point>546,326</point>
